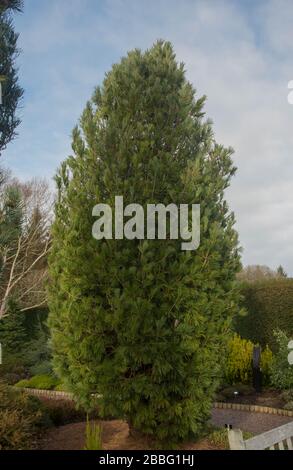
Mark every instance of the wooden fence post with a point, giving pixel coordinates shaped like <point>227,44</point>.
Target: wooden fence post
<point>235,438</point>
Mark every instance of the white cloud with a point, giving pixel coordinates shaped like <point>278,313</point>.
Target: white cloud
<point>237,53</point>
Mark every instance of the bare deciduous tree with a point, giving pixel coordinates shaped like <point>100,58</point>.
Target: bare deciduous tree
<point>258,272</point>
<point>23,269</point>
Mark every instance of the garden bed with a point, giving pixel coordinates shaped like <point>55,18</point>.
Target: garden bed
<point>115,433</point>
<point>115,436</point>
<point>271,398</point>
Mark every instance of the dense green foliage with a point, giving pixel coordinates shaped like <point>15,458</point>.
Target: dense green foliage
<point>141,321</point>
<point>41,382</point>
<point>25,346</point>
<point>281,370</point>
<point>11,91</point>
<point>269,306</point>
<point>13,334</point>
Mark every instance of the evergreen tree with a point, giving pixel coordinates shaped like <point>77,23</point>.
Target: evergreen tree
<point>36,351</point>
<point>11,215</point>
<point>11,92</point>
<point>12,330</point>
<point>140,321</point>
<point>10,224</point>
<point>15,5</point>
<point>13,335</point>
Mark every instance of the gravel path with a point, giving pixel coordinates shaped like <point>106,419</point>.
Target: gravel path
<point>256,423</point>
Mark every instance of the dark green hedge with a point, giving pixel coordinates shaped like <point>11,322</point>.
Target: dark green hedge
<point>269,305</point>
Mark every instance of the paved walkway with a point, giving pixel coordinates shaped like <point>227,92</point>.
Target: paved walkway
<point>256,423</point>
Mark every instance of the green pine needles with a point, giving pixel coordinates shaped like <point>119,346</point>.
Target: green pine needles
<point>142,322</point>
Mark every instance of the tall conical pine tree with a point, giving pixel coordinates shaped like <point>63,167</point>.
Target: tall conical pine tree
<point>142,322</point>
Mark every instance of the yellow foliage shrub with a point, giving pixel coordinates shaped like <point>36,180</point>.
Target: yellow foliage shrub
<point>239,361</point>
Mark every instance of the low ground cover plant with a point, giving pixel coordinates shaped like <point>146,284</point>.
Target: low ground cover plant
<point>41,382</point>
<point>21,418</point>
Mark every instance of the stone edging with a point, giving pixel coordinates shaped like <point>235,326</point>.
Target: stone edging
<point>253,408</point>
<point>51,394</point>
<point>56,395</point>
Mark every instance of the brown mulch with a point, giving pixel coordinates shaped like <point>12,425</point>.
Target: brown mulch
<point>116,436</point>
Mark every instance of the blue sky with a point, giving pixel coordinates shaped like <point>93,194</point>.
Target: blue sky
<point>238,53</point>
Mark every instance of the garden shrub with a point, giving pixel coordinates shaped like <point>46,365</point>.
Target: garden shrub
<point>11,378</point>
<point>11,372</point>
<point>238,365</point>
<point>228,393</point>
<point>13,335</point>
<point>41,382</point>
<point>287,395</point>
<point>20,418</point>
<point>15,432</point>
<point>269,306</point>
<point>26,350</point>
<point>289,406</point>
<point>239,361</point>
<point>13,338</point>
<point>43,368</point>
<point>63,412</point>
<point>24,383</point>
<point>37,354</point>
<point>281,370</point>
<point>60,387</point>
